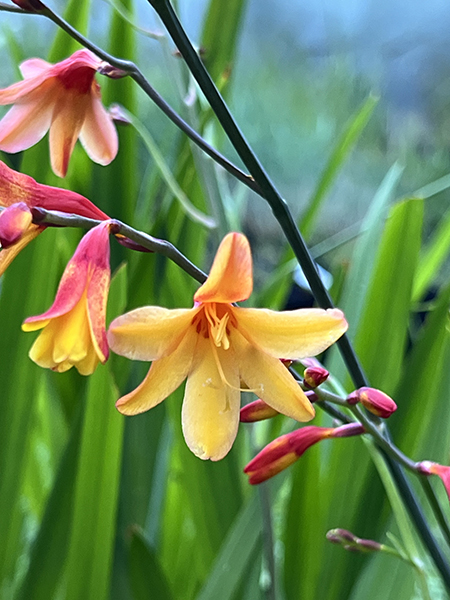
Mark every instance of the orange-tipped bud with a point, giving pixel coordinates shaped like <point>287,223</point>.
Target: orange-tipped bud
<point>257,411</point>
<point>315,376</point>
<point>285,450</point>
<point>351,542</point>
<point>15,220</point>
<point>375,401</point>
<point>427,467</point>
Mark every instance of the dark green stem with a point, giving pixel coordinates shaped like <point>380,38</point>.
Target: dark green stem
<point>437,509</point>
<point>290,229</point>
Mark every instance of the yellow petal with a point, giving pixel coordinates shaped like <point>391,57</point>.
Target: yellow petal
<point>164,376</point>
<point>150,332</point>
<point>291,334</point>
<point>270,380</point>
<point>210,414</point>
<point>230,278</point>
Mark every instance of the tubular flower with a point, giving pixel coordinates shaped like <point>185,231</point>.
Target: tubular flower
<point>64,98</point>
<point>287,449</point>
<point>16,228</point>
<point>216,345</point>
<point>74,327</point>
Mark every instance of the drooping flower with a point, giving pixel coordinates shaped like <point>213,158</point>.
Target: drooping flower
<point>287,449</point>
<point>17,188</point>
<point>216,345</point>
<point>74,326</point>
<point>64,98</point>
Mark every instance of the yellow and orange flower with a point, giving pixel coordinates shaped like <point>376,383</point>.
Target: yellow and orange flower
<point>19,192</point>
<point>215,345</point>
<point>74,327</point>
<point>64,98</point>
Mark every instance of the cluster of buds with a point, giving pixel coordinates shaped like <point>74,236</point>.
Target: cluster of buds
<point>287,449</point>
<point>375,401</point>
<point>351,542</point>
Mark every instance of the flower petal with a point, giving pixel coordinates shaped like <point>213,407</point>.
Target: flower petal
<point>210,414</point>
<point>291,334</point>
<point>25,124</point>
<point>150,332</point>
<point>98,134</point>
<point>268,378</point>
<point>33,67</point>
<point>164,377</point>
<point>98,254</point>
<point>68,116</point>
<point>16,187</point>
<point>8,255</point>
<point>230,278</point>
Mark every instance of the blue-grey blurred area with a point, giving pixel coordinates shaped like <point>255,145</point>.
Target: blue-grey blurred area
<point>303,69</point>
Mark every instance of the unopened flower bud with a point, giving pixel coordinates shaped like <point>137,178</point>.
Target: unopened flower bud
<point>15,220</point>
<point>351,542</point>
<point>427,467</point>
<point>110,71</point>
<point>285,450</point>
<point>31,5</point>
<point>375,401</point>
<point>257,411</point>
<point>315,376</point>
<point>286,362</point>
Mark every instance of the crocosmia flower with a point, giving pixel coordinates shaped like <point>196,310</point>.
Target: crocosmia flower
<point>74,327</point>
<point>216,345</point>
<point>19,192</point>
<point>64,98</point>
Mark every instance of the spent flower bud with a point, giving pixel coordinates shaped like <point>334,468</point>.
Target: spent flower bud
<point>315,376</point>
<point>351,542</point>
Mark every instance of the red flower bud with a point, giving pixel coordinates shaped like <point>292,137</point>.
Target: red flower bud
<point>375,401</point>
<point>285,450</point>
<point>257,411</point>
<point>427,467</point>
<point>15,220</point>
<point>31,5</point>
<point>314,376</point>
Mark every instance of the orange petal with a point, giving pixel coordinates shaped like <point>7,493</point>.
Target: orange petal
<point>164,377</point>
<point>230,278</point>
<point>150,332</point>
<point>210,414</point>
<point>98,133</point>
<point>291,334</point>
<point>267,377</point>
<point>68,116</point>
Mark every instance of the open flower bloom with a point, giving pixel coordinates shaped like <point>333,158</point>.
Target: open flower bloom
<point>287,449</point>
<point>64,98</point>
<point>74,327</point>
<point>18,191</point>
<point>216,345</point>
